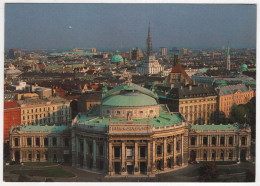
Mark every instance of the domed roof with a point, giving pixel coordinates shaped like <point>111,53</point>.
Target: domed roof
<point>243,68</point>
<point>116,58</point>
<point>129,99</point>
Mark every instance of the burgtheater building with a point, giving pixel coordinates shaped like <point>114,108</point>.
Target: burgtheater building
<point>130,134</point>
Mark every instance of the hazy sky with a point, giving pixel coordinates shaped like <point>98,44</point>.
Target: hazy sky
<point>125,25</point>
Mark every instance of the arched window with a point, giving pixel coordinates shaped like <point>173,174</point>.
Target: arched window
<point>193,140</point>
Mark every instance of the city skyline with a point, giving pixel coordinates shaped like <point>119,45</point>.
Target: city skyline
<point>125,25</point>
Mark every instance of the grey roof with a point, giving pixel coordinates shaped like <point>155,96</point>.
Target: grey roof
<point>37,101</point>
<point>194,92</point>
<point>231,89</point>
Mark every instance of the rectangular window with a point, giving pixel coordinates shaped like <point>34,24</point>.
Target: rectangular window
<point>46,156</point>
<point>159,150</point>
<point>54,141</point>
<point>30,156</point>
<point>37,141</point>
<point>38,156</point>
<point>169,148</point>
<point>29,141</point>
<point>142,152</point>
<point>222,140</point>
<point>16,141</point>
<point>100,150</point>
<point>129,152</point>
<point>45,142</point>
<point>117,152</point>
<point>90,148</point>
<point>66,142</point>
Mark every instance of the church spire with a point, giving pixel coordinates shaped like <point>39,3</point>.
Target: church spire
<point>149,47</point>
<point>228,58</point>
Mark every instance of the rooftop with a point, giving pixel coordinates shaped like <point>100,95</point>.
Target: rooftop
<point>216,127</point>
<point>10,104</point>
<point>231,89</point>
<point>165,118</point>
<point>39,128</point>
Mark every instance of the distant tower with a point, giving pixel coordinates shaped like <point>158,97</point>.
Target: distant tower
<point>177,59</point>
<point>149,47</point>
<point>228,58</point>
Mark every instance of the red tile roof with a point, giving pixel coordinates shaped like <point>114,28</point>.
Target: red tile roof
<point>10,104</point>
<point>178,69</point>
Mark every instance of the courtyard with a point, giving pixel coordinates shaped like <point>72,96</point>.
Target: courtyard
<point>66,173</point>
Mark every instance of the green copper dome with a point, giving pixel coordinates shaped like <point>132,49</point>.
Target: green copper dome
<point>243,68</point>
<point>117,59</point>
<point>129,99</point>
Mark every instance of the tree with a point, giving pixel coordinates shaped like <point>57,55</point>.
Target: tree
<point>245,114</point>
<point>208,172</point>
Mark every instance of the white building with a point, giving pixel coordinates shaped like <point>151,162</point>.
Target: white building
<point>150,66</point>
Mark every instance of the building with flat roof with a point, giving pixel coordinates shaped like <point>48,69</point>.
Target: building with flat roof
<point>51,110</point>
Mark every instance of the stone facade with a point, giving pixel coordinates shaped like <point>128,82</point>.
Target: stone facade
<point>45,111</point>
<point>130,144</point>
<point>230,96</point>
<point>130,149</point>
<point>220,145</point>
<point>196,103</point>
<point>12,117</point>
<point>40,144</point>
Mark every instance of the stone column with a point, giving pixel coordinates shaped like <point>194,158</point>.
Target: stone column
<point>123,168</point>
<point>85,153</point>
<point>94,146</point>
<point>12,155</point>
<point>110,165</point>
<point>73,146</point>
<point>77,151</point>
<point>182,161</point>
<point>136,159</point>
<point>148,157</point>
<point>32,141</point>
<point>164,153</point>
<point>105,153</point>
<point>21,156</point>
<point>174,151</point>
<point>153,157</point>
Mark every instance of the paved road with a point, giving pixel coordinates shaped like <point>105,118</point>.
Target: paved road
<point>85,176</point>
